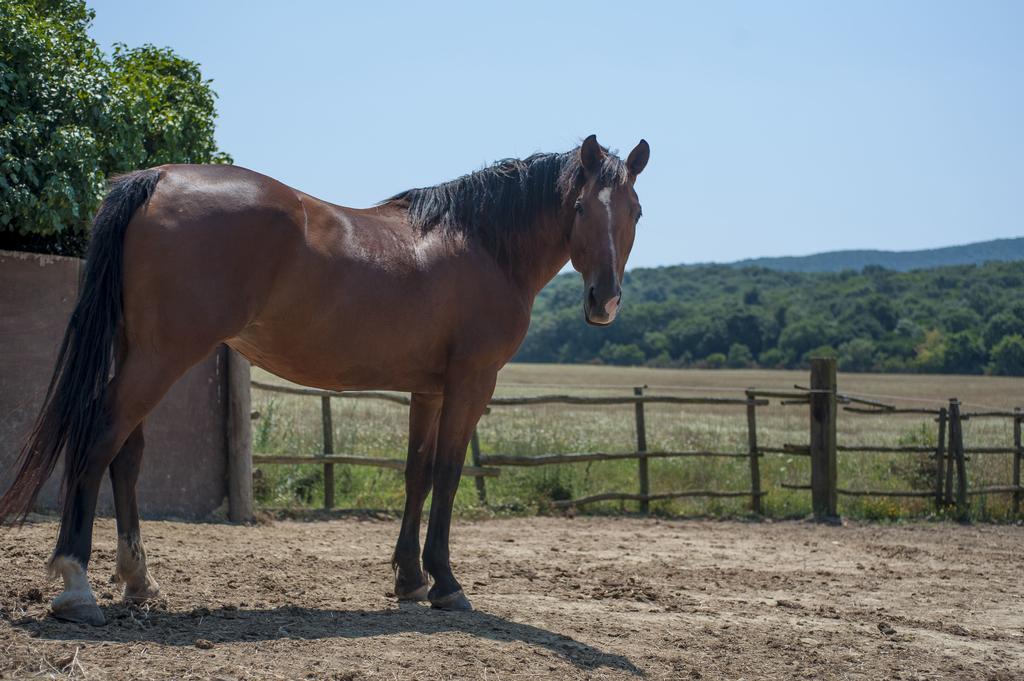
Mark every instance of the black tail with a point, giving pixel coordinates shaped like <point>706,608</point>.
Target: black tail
<point>74,400</point>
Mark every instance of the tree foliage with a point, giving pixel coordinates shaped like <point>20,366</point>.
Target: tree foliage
<point>70,118</point>
<point>947,320</point>
<point>1008,357</point>
<point>168,108</point>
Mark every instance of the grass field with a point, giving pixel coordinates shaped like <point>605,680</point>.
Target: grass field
<point>290,424</point>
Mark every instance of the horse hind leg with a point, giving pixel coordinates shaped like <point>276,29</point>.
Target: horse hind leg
<point>131,569</point>
<point>137,387</point>
<point>74,542</point>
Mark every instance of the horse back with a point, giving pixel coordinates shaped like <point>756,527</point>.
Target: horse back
<point>309,290</point>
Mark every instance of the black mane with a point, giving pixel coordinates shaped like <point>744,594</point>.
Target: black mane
<point>500,203</point>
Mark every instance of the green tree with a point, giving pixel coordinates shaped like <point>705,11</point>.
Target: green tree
<point>883,311</point>
<point>964,353</point>
<point>960,319</point>
<point>747,329</point>
<point>166,108</point>
<point>802,336</point>
<point>772,358</point>
<point>820,351</point>
<point>692,312</point>
<point>857,355</point>
<point>69,119</point>
<point>618,353</point>
<point>1002,325</point>
<point>931,352</point>
<point>716,360</point>
<point>739,357</point>
<point>1008,357</point>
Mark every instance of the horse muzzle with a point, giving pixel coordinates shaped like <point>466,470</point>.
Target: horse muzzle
<point>601,314</point>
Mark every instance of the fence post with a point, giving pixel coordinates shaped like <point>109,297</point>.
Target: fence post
<point>641,446</point>
<point>755,466</point>
<point>956,444</point>
<point>940,456</point>
<point>1017,419</point>
<point>325,412</point>
<point>239,439</point>
<point>481,486</point>
<point>823,438</point>
<point>950,457</point>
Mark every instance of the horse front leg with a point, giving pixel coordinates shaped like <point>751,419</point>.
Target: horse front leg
<point>424,414</point>
<point>465,398</point>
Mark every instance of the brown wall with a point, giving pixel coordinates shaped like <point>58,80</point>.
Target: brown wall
<point>185,465</point>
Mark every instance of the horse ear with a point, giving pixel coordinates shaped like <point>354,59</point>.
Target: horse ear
<point>591,155</point>
<point>638,158</point>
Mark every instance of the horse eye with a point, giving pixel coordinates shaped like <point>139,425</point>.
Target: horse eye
<point>579,208</point>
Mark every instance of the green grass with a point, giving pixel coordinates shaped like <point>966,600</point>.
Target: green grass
<point>292,424</point>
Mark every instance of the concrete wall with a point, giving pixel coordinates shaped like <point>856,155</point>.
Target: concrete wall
<point>184,468</point>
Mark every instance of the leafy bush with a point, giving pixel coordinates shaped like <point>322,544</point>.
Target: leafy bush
<point>624,355</point>
<point>739,356</point>
<point>772,358</point>
<point>69,119</point>
<point>716,360</point>
<point>820,351</point>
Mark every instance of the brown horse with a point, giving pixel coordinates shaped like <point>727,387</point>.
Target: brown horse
<point>429,292</point>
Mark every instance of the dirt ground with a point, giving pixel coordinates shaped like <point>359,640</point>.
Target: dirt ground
<point>589,598</point>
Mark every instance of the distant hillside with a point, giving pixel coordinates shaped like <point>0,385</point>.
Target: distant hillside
<point>900,261</point>
<point>962,319</point>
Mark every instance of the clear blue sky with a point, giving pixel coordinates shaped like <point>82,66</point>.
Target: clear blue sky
<point>776,128</point>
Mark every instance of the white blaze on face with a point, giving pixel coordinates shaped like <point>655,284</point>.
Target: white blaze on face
<point>605,197</point>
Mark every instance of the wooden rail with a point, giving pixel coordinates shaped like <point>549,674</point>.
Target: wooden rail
<point>625,496</point>
<point>510,401</point>
<point>866,493</point>
<point>859,410</point>
<point>549,459</point>
<point>331,459</point>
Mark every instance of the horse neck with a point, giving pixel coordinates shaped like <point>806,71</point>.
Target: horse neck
<point>542,255</point>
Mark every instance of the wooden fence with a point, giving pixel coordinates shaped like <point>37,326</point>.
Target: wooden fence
<point>821,396</point>
<point>950,454</point>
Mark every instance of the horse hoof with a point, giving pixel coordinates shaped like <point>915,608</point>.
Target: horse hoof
<point>79,613</point>
<point>139,596</point>
<point>454,602</point>
<point>418,594</point>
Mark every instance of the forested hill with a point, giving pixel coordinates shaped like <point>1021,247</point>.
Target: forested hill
<point>902,261</point>
<point>964,319</point>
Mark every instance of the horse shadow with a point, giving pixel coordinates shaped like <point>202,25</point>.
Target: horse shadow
<point>130,624</point>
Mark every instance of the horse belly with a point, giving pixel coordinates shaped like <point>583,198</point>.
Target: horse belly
<point>355,333</point>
